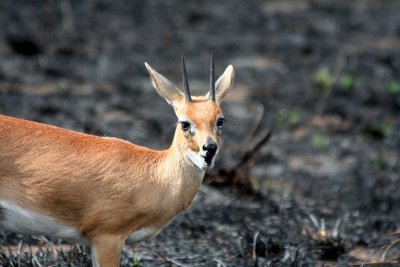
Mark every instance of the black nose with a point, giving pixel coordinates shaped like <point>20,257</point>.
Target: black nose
<point>211,148</point>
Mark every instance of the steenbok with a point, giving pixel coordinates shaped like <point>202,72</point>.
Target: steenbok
<point>102,190</point>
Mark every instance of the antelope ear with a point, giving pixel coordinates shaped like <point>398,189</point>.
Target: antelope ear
<point>164,87</point>
<point>224,84</point>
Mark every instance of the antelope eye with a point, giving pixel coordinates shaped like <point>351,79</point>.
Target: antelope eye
<point>185,125</point>
<point>220,122</point>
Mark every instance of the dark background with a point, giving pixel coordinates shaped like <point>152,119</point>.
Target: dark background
<point>325,75</point>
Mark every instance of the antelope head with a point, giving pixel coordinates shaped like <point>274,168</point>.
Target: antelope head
<point>200,118</point>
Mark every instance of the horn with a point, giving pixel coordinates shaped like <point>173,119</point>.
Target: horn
<point>188,98</point>
<point>212,80</point>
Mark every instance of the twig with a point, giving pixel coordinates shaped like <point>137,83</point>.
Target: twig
<point>30,251</point>
<point>19,253</point>
<point>336,229</point>
<point>375,263</point>
<point>36,260</point>
<point>169,260</point>
<point>240,173</point>
<point>313,219</point>
<point>390,246</point>
<point>10,254</point>
<point>250,154</point>
<point>254,251</point>
<point>220,263</point>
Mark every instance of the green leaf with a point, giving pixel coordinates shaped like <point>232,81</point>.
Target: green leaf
<point>346,81</point>
<point>393,87</point>
<point>322,79</point>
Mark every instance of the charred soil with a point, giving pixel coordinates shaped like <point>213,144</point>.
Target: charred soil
<point>324,75</point>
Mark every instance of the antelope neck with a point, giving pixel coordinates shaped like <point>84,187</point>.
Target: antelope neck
<point>177,157</point>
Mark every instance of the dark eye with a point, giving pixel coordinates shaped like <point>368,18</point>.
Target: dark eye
<point>220,122</point>
<point>185,125</point>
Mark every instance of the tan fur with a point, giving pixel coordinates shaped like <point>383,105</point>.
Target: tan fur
<point>106,188</point>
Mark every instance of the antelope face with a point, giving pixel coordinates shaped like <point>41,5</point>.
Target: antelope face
<point>200,124</point>
<point>200,119</point>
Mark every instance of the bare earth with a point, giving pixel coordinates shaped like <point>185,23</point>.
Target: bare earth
<point>325,75</point>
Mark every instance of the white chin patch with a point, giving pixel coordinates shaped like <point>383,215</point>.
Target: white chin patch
<point>199,161</point>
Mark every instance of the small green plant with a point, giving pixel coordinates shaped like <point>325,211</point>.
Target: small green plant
<point>396,3</point>
<point>291,117</point>
<point>280,117</point>
<point>393,87</point>
<point>322,79</point>
<point>135,261</point>
<point>380,129</point>
<point>378,163</point>
<point>319,141</point>
<point>346,81</point>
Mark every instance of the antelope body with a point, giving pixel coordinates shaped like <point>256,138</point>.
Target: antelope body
<point>103,190</point>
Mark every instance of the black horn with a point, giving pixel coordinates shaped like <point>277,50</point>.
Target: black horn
<point>188,97</point>
<point>212,80</point>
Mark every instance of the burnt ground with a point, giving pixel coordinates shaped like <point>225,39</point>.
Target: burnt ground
<point>325,75</point>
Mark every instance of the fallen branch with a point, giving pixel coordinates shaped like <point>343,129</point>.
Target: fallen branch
<point>239,174</point>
